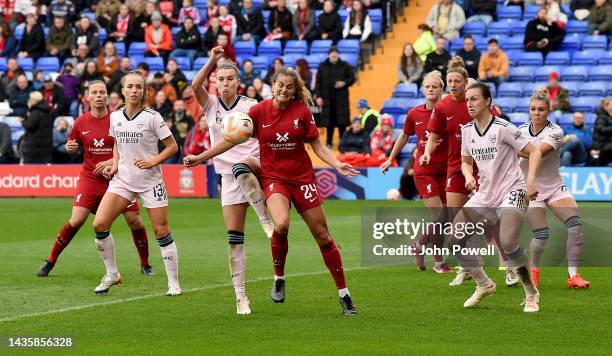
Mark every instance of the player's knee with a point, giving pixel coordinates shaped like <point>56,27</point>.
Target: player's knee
<point>322,236</point>
<point>134,222</point>
<point>99,225</point>
<point>161,230</point>
<point>239,169</point>
<point>282,227</point>
<point>76,222</point>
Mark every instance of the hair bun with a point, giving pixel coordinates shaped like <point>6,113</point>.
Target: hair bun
<point>456,62</point>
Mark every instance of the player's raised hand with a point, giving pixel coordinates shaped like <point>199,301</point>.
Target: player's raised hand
<point>109,171</point>
<point>142,164</point>
<point>216,53</point>
<point>385,166</point>
<point>424,160</point>
<point>470,183</point>
<point>532,189</point>
<point>72,146</point>
<point>347,170</point>
<point>190,161</point>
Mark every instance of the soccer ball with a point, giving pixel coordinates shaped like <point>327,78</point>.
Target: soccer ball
<point>236,127</point>
<point>393,194</point>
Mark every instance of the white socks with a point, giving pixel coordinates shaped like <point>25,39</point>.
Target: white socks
<point>106,246</point>
<point>237,264</point>
<point>170,256</point>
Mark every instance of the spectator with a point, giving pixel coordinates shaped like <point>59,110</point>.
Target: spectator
<point>108,61</point>
<point>158,38</point>
<point>62,8</point>
<point>520,3</point>
<point>263,90</point>
<point>120,28</point>
<point>114,101</point>
<point>581,8</point>
<point>153,7</point>
<point>212,10</point>
<point>334,77</point>
<point>369,118</point>
<point>105,11</point>
<point>251,92</point>
<point>410,67</point>
<point>33,41</point>
<point>577,142</point>
<point>86,34</point>
<point>61,132</point>
<point>72,85</point>
<point>6,144</point>
<point>358,25</point>
<point>174,75</point>
<point>438,60</point>
<point>18,96</point>
<point>600,21</point>
<point>303,70</point>
<point>59,39</point>
<point>425,43</point>
<point>280,22</point>
<point>8,44</point>
<point>38,78</point>
<point>187,41</point>
<point>555,14</point>
<point>446,19</point>
<point>210,37</point>
<point>53,94</point>
<point>90,73</point>
<point>189,11</point>
<point>494,64</point>
<point>162,105</point>
<point>228,23</point>
<point>381,142</point>
<point>542,34</point>
<point>9,77</point>
<point>304,22</point>
<point>182,121</point>
<point>355,145</point>
<point>330,23</point>
<point>228,48</point>
<point>407,187</point>
<point>191,104</point>
<point>81,59</point>
<point>602,135</point>
<point>250,23</point>
<point>136,6</point>
<point>37,141</point>
<point>248,74</point>
<point>123,69</point>
<point>559,97</point>
<point>483,11</point>
<point>277,64</point>
<point>159,84</point>
<point>470,55</point>
<point>9,16</point>
<point>198,139</point>
<point>41,10</point>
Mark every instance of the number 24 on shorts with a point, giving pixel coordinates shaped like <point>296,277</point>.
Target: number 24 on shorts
<point>308,190</point>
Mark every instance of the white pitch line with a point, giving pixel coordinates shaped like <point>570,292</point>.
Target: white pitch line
<point>148,296</point>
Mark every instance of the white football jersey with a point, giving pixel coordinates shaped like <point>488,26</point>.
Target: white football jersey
<point>495,152</point>
<point>137,139</point>
<point>215,111</point>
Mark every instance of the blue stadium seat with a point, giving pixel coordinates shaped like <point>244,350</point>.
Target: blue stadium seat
<point>405,90</point>
<point>572,87</point>
<point>571,43</point>
<point>376,15</point>
<point>349,46</point>
<point>513,42</point>
<point>566,119</point>
<point>400,120</point>
<point>491,86</point>
<point>518,118</point>
<point>315,59</point>
<point>270,49</point>
<point>266,16</point>
<point>542,73</point>
<point>296,47</point>
<point>530,12</point>
<point>503,27</point>
<point>245,48</point>
<point>156,64</point>
<point>509,12</point>
<point>200,62</point>
<point>522,105</point>
<point>590,118</point>
<point>137,48</point>
<point>585,103</point>
<point>135,60</point>
<point>557,58</point>
<point>519,27</point>
<point>514,55</point>
<point>261,63</point>
<point>292,58</point>
<point>575,26</point>
<point>512,90</point>
<point>350,58</point>
<point>19,32</point>
<point>575,73</point>
<point>394,106</point>
<point>506,104</point>
<point>587,57</point>
<point>565,8</point>
<point>600,73</point>
<point>190,74</point>
<point>521,74</point>
<point>482,43</point>
<point>343,14</point>
<point>593,89</point>
<point>320,46</point>
<point>184,63</point>
<point>27,64</point>
<point>102,34</point>
<point>531,59</point>
<point>529,88</point>
<point>175,30</point>
<point>120,47</point>
<point>474,29</point>
<point>606,58</point>
<point>376,28</point>
<point>2,64</point>
<point>200,3</point>
<point>48,64</point>
<point>456,45</point>
<point>594,42</point>
<point>609,90</point>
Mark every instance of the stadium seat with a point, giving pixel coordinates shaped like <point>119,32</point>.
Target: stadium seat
<point>566,119</point>
<point>574,73</point>
<point>156,64</point>
<point>521,74</point>
<point>575,26</point>
<point>609,90</point>
<point>377,28</point>
<point>27,63</point>
<point>19,32</point>
<point>292,58</point>
<point>491,86</point>
<point>594,42</point>
<point>530,12</point>
<point>260,63</point>
<point>320,46</point>
<point>349,46</point>
<point>400,120</point>
<point>184,63</point>
<point>585,103</point>
<point>512,90</point>
<point>405,90</point>
<point>190,74</point>
<point>557,58</point>
<point>514,55</point>
<point>522,105</point>
<point>343,14</point>
<point>266,16</point>
<point>506,104</point>
<point>394,107</point>
<point>514,42</point>
<point>101,35</point>
<point>200,62</point>
<point>296,47</point>
<point>48,64</point>
<point>245,48</point>
<point>2,64</point>
<point>120,47</point>
<point>600,73</point>
<point>571,43</point>
<point>200,3</point>
<point>482,43</point>
<point>270,49</point>
<point>135,60</point>
<point>509,12</point>
<point>474,29</point>
<point>572,87</point>
<point>503,27</point>
<point>565,8</point>
<point>590,118</point>
<point>518,118</point>
<point>376,15</point>
<point>456,45</point>
<point>593,89</point>
<point>350,58</point>
<point>531,59</point>
<point>529,88</point>
<point>519,27</point>
<point>137,48</point>
<point>606,58</point>
<point>542,73</point>
<point>588,57</point>
<point>315,59</point>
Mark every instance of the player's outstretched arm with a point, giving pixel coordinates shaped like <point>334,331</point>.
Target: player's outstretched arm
<point>467,169</point>
<point>397,148</point>
<point>171,148</point>
<point>216,149</point>
<point>328,157</point>
<point>198,82</point>
<point>535,156</point>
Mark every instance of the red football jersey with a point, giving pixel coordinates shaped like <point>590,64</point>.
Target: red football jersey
<point>281,135</point>
<point>92,134</point>
<point>416,124</point>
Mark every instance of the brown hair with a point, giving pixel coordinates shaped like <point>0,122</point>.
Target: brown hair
<point>485,90</point>
<point>303,69</point>
<point>228,64</point>
<point>457,65</point>
<point>301,92</point>
<point>145,94</point>
<point>357,18</point>
<point>412,60</point>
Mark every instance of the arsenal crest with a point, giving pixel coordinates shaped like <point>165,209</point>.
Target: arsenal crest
<point>493,138</point>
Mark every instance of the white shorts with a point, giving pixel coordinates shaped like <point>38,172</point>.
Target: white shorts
<point>231,193</point>
<point>561,192</point>
<point>515,200</point>
<point>156,197</point>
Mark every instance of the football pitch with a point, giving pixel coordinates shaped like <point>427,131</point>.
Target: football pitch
<point>400,309</point>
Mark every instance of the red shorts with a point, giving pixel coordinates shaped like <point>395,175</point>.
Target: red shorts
<point>89,194</point>
<point>431,185</point>
<point>303,196</point>
<point>455,183</point>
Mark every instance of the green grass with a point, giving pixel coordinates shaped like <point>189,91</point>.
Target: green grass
<point>401,310</point>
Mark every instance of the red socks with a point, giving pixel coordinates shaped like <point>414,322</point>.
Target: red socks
<point>332,259</point>
<point>280,246</point>
<point>64,236</point>
<point>141,242</point>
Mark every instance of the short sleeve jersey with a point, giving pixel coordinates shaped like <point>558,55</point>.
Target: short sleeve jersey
<point>548,178</point>
<point>417,120</point>
<point>91,133</point>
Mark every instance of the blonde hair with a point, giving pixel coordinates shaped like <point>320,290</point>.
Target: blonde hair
<point>35,97</point>
<point>301,92</point>
<point>457,65</point>
<point>145,94</point>
<point>230,65</point>
<point>436,75</point>
<point>541,94</point>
